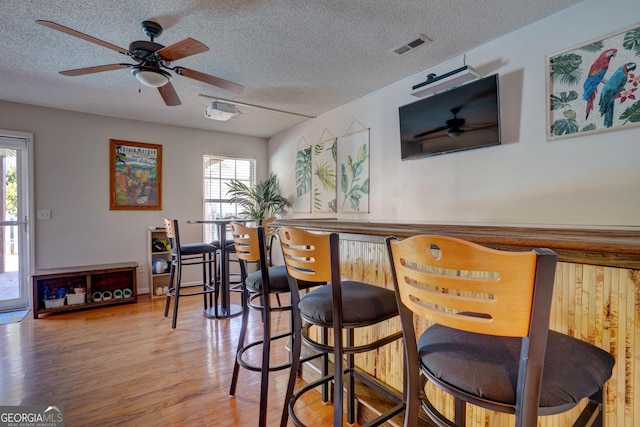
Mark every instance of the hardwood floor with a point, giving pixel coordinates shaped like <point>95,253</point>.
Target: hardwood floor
<point>123,365</point>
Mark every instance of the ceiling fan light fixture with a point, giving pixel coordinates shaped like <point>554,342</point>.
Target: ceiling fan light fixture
<point>455,131</point>
<point>152,77</point>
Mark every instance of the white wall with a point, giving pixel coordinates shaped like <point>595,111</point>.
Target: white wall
<point>71,156</point>
<point>579,181</point>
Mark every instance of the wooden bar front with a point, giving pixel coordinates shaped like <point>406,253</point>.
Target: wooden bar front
<point>596,299</point>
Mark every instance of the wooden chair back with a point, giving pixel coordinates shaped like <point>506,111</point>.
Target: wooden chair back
<point>269,237</point>
<point>307,255</point>
<point>268,231</point>
<point>245,240</point>
<point>171,229</point>
<point>466,286</point>
<point>168,228</point>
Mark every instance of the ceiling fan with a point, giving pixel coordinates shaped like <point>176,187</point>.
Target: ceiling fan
<point>153,61</point>
<point>454,127</point>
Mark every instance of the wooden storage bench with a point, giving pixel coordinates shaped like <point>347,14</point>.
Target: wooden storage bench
<point>115,280</point>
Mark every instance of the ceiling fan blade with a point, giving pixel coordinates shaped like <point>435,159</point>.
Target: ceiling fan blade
<point>96,69</point>
<point>455,130</point>
<point>83,36</point>
<point>182,49</point>
<point>169,95</point>
<point>429,132</point>
<point>206,78</point>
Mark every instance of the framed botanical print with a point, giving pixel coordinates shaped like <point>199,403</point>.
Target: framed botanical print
<point>302,195</point>
<point>353,170</point>
<point>323,176</point>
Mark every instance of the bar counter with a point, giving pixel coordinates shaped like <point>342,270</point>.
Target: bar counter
<point>596,297</point>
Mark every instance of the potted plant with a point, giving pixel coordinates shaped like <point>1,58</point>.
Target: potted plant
<point>261,201</point>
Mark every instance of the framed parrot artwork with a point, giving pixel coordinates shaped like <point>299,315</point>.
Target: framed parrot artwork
<point>595,87</point>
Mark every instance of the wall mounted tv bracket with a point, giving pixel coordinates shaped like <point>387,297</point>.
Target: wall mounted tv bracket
<point>444,81</point>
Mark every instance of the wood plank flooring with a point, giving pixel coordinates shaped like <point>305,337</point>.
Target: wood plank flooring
<point>123,365</point>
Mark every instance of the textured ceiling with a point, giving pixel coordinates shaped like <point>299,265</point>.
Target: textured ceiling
<point>307,56</point>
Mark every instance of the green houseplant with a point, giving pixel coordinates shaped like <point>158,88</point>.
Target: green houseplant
<point>261,201</point>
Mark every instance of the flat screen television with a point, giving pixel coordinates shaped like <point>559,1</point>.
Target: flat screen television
<point>458,119</point>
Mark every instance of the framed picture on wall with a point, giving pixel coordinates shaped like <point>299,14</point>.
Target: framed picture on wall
<point>323,176</point>
<point>135,175</point>
<point>302,195</point>
<point>595,87</point>
<point>353,169</point>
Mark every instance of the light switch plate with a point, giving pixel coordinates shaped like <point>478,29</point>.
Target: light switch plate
<point>44,213</point>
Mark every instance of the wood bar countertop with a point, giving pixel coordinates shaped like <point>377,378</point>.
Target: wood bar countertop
<point>615,247</point>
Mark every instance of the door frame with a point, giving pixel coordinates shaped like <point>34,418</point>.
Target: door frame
<point>26,188</point>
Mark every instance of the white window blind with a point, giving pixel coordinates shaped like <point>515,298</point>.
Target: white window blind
<point>218,172</point>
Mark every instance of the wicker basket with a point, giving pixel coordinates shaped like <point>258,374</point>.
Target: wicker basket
<point>73,299</point>
<point>54,303</point>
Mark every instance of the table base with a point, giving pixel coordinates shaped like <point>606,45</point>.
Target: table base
<point>233,310</point>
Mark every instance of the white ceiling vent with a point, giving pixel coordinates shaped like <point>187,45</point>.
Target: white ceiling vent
<point>414,43</point>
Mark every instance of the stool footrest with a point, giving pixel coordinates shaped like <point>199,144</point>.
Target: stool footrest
<point>255,368</point>
<point>210,289</point>
<point>366,384</point>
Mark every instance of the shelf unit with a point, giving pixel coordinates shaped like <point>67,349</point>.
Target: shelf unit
<point>95,278</point>
<point>160,280</point>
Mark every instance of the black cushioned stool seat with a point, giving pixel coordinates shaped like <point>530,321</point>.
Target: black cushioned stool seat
<point>365,304</point>
<point>278,280</point>
<point>198,248</point>
<point>487,365</point>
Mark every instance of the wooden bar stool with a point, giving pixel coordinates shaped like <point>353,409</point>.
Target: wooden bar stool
<point>258,287</point>
<point>182,255</point>
<point>340,306</point>
<point>490,343</point>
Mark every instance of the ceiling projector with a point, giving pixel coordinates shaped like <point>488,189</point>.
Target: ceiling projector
<point>220,111</point>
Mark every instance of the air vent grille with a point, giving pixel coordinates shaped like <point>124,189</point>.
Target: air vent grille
<point>402,50</point>
<point>414,43</point>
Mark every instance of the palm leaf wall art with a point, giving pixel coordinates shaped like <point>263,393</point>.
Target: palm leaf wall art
<point>353,161</point>
<point>302,196</point>
<point>324,158</point>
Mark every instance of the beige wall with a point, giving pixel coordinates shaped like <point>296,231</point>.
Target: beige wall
<point>71,167</point>
<point>580,181</point>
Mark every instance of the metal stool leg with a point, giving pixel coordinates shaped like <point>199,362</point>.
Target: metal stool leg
<point>241,339</point>
<point>172,271</point>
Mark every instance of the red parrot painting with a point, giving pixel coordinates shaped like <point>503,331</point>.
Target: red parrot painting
<point>596,76</point>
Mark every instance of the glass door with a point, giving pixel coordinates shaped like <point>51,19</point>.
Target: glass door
<point>14,215</point>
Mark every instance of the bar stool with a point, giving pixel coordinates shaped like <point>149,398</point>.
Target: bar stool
<point>189,254</point>
<point>341,306</point>
<point>490,343</point>
<point>250,247</point>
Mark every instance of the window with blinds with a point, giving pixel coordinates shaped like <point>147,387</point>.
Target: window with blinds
<point>218,172</point>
